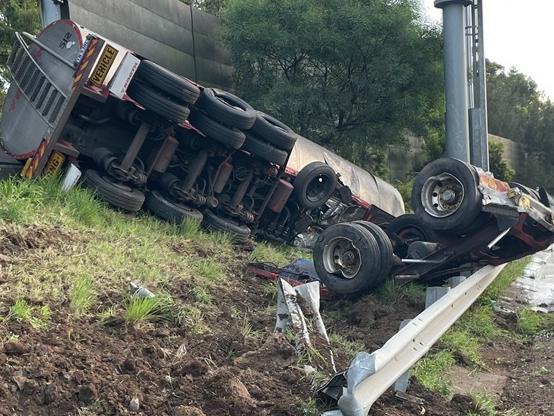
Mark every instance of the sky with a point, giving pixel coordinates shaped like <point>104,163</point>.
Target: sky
<point>518,34</point>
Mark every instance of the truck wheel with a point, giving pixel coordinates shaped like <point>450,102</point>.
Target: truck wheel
<point>384,243</point>
<point>314,185</point>
<point>158,103</point>
<point>264,150</point>
<point>407,229</point>
<point>226,108</point>
<point>116,194</point>
<point>239,232</point>
<point>103,158</point>
<point>347,259</point>
<point>230,137</point>
<point>445,195</point>
<point>169,210</point>
<point>178,87</point>
<point>274,131</point>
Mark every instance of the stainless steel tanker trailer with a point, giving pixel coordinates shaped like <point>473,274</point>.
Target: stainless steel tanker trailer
<point>143,136</point>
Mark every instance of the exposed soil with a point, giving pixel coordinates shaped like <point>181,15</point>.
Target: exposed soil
<point>90,367</point>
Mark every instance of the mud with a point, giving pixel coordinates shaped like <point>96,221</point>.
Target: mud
<point>90,367</point>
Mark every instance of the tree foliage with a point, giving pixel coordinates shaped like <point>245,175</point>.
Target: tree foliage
<point>498,165</point>
<point>518,111</point>
<point>15,15</point>
<point>209,6</point>
<point>348,74</point>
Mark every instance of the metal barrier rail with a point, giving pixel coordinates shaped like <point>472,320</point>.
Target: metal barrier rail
<point>370,375</point>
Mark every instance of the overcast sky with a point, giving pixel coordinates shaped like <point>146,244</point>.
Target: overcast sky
<point>520,34</point>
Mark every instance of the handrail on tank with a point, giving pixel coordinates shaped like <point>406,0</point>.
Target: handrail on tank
<point>49,50</point>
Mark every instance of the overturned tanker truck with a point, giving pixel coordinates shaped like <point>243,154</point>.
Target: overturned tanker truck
<point>144,137</point>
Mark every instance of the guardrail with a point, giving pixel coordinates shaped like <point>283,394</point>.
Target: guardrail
<point>370,375</point>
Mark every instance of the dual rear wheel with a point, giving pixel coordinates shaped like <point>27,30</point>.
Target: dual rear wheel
<point>352,258</point>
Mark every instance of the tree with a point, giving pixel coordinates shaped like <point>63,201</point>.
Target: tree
<point>518,111</point>
<point>349,74</point>
<point>498,164</point>
<point>15,15</point>
<point>512,96</point>
<point>209,6</point>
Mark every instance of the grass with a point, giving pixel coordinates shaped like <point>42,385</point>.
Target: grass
<point>37,317</point>
<point>483,405</point>
<point>350,348</point>
<point>463,346</point>
<point>211,270</point>
<point>392,292</point>
<point>531,323</point>
<point>277,255</point>
<point>432,372</point>
<point>82,296</point>
<point>140,310</point>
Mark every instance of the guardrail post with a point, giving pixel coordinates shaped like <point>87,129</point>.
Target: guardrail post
<point>435,293</point>
<point>403,382</point>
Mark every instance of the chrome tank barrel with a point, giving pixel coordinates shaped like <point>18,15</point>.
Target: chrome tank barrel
<point>363,184</point>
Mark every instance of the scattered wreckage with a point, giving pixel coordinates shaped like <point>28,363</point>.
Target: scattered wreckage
<point>148,138</point>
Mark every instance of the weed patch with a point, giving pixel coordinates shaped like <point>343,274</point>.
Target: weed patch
<point>432,372</point>
<point>37,317</point>
<point>140,310</point>
<point>83,295</point>
<point>482,405</point>
<point>531,323</point>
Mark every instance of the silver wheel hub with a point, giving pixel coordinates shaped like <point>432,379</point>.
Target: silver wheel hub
<point>341,256</point>
<point>442,195</point>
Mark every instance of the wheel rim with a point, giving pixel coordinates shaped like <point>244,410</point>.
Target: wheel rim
<point>341,256</point>
<point>318,188</point>
<point>442,195</point>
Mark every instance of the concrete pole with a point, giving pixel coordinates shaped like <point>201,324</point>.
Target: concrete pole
<point>50,11</point>
<point>456,80</point>
<point>482,104</point>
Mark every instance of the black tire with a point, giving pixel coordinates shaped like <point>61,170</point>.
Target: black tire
<point>435,212</point>
<point>169,210</point>
<point>103,157</point>
<point>264,151</point>
<point>407,229</point>
<point>182,89</point>
<point>239,232</point>
<point>230,137</point>
<point>384,243</point>
<point>118,195</point>
<point>158,103</point>
<point>368,275</point>
<point>226,108</point>
<point>274,131</point>
<point>314,185</point>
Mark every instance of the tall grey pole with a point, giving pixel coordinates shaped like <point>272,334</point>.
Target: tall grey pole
<point>456,79</point>
<point>482,159</point>
<point>50,11</point>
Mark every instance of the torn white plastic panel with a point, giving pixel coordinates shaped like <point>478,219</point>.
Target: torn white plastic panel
<point>291,314</point>
<point>71,177</point>
<point>370,375</point>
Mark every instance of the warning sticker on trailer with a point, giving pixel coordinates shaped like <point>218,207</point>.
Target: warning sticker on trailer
<point>104,65</point>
